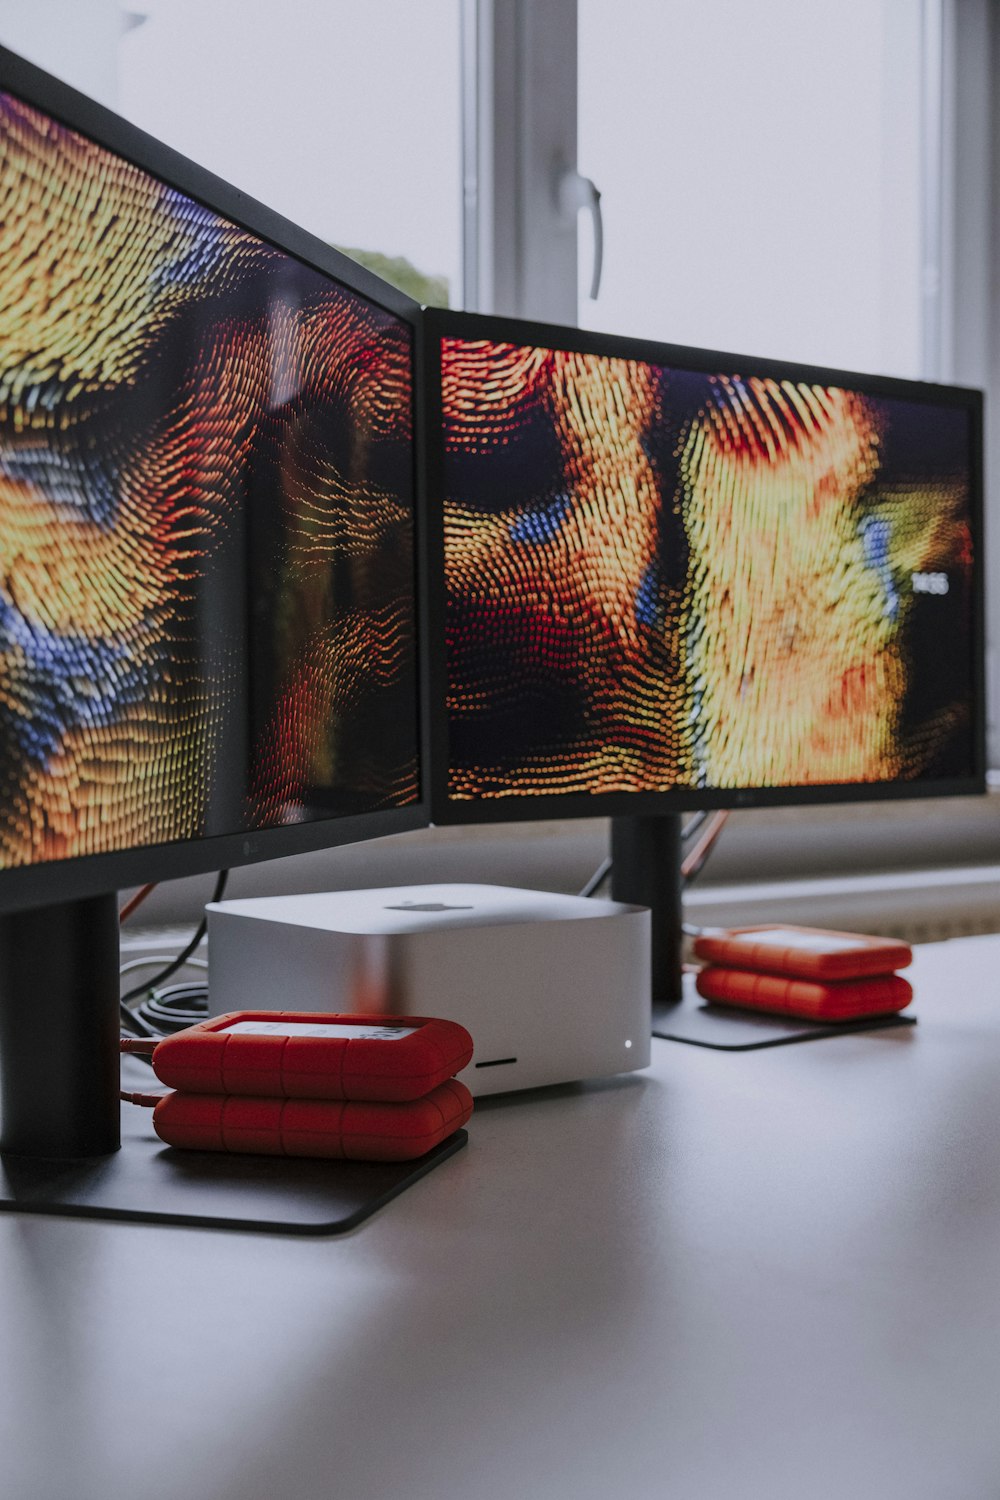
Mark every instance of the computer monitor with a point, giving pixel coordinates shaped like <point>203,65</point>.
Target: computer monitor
<point>208,594</point>
<point>665,579</point>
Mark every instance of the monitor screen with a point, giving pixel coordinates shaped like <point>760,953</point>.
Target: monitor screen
<point>672,578</point>
<point>207,591</point>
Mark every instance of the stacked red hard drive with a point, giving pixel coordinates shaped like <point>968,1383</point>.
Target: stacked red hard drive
<point>805,972</point>
<point>292,1083</point>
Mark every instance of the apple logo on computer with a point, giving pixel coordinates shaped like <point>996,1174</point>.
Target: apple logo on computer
<point>426,906</point>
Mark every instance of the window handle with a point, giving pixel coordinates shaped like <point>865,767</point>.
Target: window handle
<point>576,192</point>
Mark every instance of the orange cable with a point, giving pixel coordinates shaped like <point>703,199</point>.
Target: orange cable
<point>134,901</point>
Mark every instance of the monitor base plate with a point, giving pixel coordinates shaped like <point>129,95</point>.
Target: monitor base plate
<point>149,1182</point>
<point>728,1029</point>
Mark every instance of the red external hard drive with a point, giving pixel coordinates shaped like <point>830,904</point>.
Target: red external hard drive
<point>302,1055</point>
<point>341,1129</point>
<point>806,952</point>
<point>809,999</point>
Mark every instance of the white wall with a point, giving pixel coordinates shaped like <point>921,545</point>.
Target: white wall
<point>77,40</point>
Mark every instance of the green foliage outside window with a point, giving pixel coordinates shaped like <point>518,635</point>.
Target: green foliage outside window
<point>432,291</point>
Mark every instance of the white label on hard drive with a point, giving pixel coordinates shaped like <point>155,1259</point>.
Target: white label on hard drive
<point>317,1028</point>
<point>812,942</point>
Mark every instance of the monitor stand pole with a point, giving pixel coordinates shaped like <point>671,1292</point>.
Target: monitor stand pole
<point>59,1030</point>
<point>646,871</point>
<point>69,1146</point>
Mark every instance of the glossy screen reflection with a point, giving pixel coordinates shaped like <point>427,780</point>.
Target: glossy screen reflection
<point>206,519</point>
<point>660,578</point>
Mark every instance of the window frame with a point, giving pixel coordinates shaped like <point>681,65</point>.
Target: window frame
<point>520,83</point>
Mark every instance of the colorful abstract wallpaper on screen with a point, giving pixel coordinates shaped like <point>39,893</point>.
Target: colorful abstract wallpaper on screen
<point>206,516</point>
<point>660,578</point>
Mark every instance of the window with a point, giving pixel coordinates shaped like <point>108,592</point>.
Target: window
<point>864,129</point>
<point>760,170</point>
<point>344,117</point>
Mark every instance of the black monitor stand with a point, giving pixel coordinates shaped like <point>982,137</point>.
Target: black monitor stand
<point>71,1147</point>
<point>646,871</point>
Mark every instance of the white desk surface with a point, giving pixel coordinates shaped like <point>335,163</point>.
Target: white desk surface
<point>772,1274</point>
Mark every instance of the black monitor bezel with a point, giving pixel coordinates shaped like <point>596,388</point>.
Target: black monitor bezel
<point>441,323</point>
<point>25,886</point>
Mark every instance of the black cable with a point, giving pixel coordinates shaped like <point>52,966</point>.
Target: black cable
<point>598,878</point>
<point>693,824</point>
<point>173,1009</point>
<point>692,864</point>
<point>603,870</point>
<point>129,1015</point>
<point>134,1022</point>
